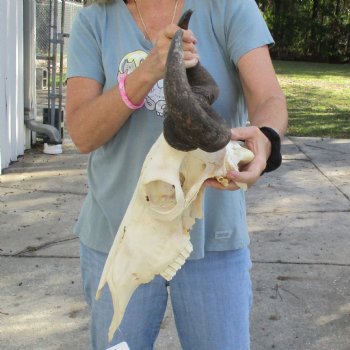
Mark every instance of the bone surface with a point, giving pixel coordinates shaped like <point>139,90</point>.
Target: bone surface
<point>153,238</point>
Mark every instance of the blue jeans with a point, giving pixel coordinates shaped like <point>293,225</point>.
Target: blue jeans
<point>211,300</point>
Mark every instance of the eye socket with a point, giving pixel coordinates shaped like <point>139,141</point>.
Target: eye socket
<point>160,195</point>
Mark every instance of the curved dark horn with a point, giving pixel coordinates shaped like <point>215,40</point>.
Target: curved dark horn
<point>190,121</point>
<point>185,19</point>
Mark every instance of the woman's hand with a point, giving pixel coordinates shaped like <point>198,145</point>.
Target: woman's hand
<point>266,107</point>
<point>249,174</point>
<point>260,145</point>
<point>156,59</point>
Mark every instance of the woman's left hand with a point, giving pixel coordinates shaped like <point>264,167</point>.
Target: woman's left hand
<point>249,174</point>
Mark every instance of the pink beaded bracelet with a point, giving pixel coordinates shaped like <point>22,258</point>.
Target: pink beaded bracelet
<point>124,96</point>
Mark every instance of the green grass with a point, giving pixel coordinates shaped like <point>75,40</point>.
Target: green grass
<point>318,97</point>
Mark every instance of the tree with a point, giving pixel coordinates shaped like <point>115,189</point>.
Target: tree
<point>309,29</point>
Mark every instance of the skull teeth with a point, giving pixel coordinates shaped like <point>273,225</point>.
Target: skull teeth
<point>171,270</point>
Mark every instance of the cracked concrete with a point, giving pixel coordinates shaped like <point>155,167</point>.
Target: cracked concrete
<point>299,219</point>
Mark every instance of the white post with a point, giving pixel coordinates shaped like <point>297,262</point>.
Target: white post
<point>29,49</point>
<point>15,77</point>
<point>4,147</point>
<point>11,81</point>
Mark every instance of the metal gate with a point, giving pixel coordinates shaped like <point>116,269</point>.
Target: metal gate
<point>53,22</point>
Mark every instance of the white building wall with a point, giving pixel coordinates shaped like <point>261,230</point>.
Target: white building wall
<point>12,137</point>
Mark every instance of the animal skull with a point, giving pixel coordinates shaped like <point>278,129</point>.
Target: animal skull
<point>153,237</point>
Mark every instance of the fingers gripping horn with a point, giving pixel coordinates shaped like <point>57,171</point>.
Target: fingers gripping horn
<point>190,121</point>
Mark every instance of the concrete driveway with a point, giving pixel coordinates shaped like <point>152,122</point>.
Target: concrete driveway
<point>299,219</point>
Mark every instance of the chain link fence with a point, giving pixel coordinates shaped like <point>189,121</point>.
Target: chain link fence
<point>54,19</point>
<point>45,22</point>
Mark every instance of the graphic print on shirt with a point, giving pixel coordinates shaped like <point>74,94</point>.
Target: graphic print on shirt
<point>155,100</point>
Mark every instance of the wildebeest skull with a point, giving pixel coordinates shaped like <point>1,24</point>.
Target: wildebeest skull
<point>153,238</point>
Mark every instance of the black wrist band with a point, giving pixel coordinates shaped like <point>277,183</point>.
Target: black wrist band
<point>275,159</point>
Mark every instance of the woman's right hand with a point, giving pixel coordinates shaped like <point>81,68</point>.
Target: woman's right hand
<point>156,60</point>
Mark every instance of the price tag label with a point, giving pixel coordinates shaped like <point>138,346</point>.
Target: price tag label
<point>120,346</point>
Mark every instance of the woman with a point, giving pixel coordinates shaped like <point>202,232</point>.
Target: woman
<point>115,108</point>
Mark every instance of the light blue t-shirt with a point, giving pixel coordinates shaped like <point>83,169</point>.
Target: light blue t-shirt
<point>105,41</point>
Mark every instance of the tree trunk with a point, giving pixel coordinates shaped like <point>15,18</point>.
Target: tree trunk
<point>313,45</point>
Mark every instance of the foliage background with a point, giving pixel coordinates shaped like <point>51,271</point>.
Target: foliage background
<point>309,30</point>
